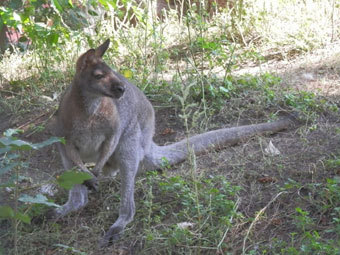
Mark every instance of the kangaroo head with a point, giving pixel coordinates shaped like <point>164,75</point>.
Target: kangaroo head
<point>95,76</point>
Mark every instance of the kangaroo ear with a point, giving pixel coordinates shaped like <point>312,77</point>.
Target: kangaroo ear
<point>102,48</point>
<point>85,59</point>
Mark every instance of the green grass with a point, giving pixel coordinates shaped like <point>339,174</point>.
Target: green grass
<point>317,226</point>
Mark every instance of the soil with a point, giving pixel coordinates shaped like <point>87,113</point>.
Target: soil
<point>303,149</point>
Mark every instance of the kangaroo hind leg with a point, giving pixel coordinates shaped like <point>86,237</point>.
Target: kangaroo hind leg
<point>128,165</point>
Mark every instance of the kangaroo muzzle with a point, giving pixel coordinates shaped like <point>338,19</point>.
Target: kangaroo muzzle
<point>118,90</point>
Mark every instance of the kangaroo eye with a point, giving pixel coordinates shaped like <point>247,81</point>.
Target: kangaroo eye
<point>99,76</point>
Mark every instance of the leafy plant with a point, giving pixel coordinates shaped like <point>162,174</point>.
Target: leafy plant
<point>70,178</point>
<point>10,148</point>
<point>34,19</point>
<point>70,250</point>
<point>308,239</point>
<point>10,161</point>
<point>214,199</point>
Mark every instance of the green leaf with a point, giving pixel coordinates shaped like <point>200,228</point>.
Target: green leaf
<point>104,3</point>
<point>8,167</point>
<point>70,178</point>
<point>92,12</point>
<point>16,144</point>
<point>336,179</point>
<point>223,89</point>
<point>52,38</point>
<point>12,156</point>
<point>38,199</point>
<point>48,142</point>
<point>4,150</point>
<point>70,3</point>
<point>15,4</point>
<point>23,217</point>
<point>11,132</point>
<point>9,184</point>
<point>57,5</point>
<point>6,212</point>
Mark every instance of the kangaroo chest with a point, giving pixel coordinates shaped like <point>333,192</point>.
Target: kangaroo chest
<point>88,135</point>
<point>88,123</point>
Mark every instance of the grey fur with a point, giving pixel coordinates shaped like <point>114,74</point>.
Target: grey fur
<point>109,121</point>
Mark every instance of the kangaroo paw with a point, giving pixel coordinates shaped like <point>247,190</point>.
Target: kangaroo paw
<point>53,214</point>
<point>111,236</point>
<point>92,184</point>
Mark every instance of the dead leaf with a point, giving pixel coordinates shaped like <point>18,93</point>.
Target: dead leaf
<point>121,251</point>
<point>276,221</point>
<point>50,252</point>
<point>272,150</point>
<point>168,131</point>
<point>324,220</point>
<point>185,225</point>
<point>267,179</point>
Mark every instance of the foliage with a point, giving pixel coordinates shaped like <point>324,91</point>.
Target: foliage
<point>199,217</point>
<point>10,161</point>
<point>70,249</point>
<point>70,178</point>
<point>308,239</point>
<point>9,144</point>
<point>38,199</point>
<point>39,23</point>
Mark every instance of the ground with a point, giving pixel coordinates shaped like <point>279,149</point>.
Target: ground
<point>265,179</point>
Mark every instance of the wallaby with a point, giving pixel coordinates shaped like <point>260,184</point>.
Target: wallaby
<point>107,120</point>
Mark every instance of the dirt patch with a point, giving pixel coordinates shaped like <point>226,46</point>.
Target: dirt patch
<point>317,71</point>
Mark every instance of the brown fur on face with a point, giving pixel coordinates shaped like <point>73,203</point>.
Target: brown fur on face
<point>96,77</point>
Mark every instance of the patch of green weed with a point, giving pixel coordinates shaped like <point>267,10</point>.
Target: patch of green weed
<point>176,217</point>
<point>318,225</point>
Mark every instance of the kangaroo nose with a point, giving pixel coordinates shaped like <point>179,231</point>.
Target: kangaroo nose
<point>121,89</point>
<point>118,90</point>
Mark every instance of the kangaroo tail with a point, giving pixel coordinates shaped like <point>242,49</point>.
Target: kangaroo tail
<point>178,152</point>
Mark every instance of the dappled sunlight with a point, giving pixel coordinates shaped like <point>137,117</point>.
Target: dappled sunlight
<point>317,71</point>
<point>17,66</point>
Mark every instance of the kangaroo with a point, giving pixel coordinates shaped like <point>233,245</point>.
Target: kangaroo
<point>107,120</point>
